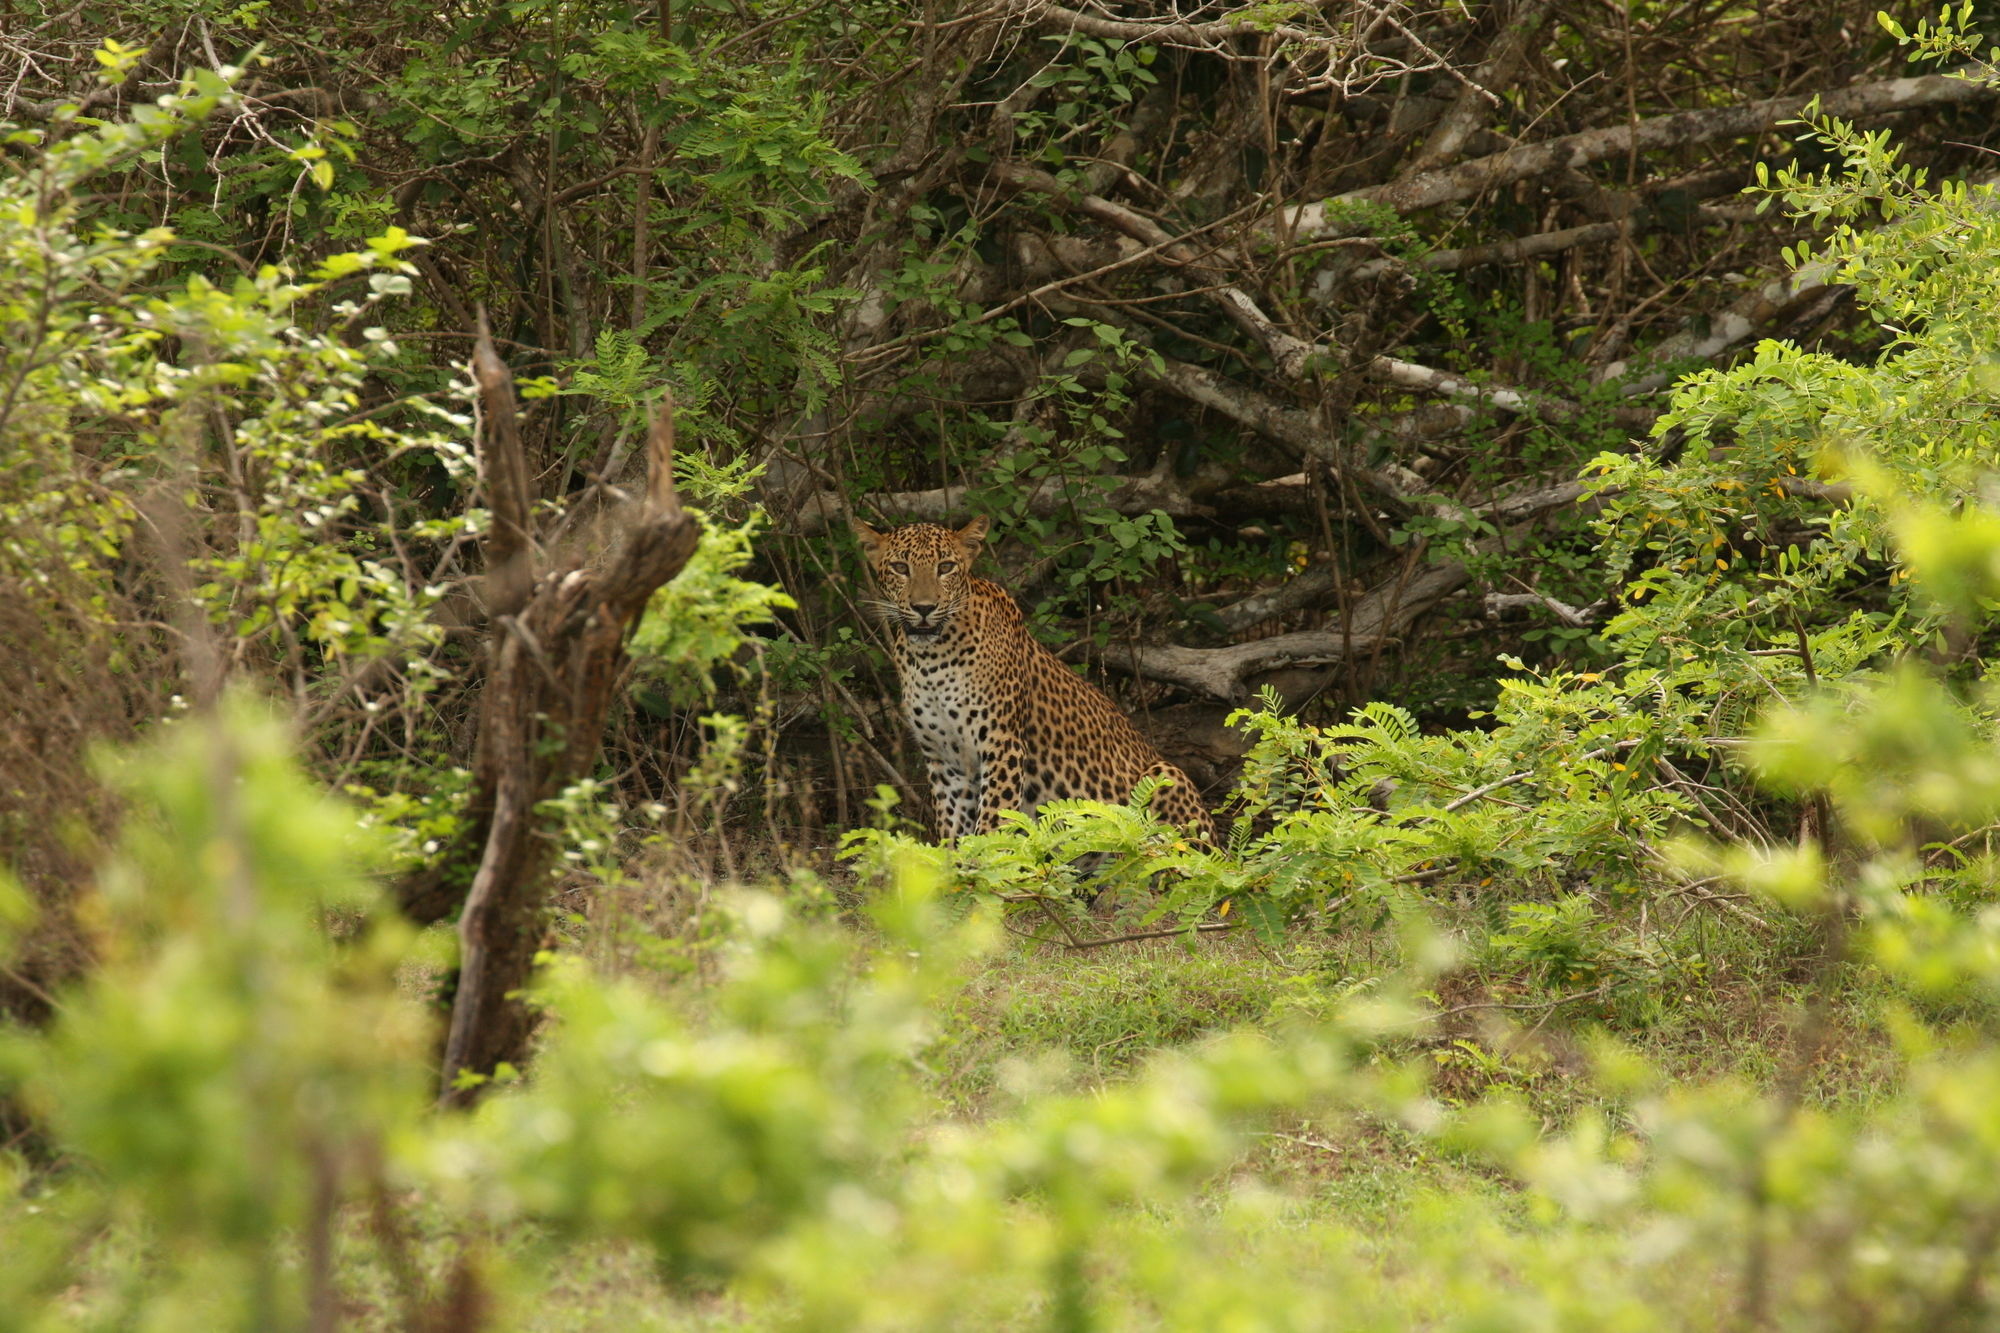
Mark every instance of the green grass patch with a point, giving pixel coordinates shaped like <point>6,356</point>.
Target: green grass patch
<point>1037,1015</point>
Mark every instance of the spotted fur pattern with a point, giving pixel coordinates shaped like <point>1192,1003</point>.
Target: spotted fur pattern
<point>1003,724</point>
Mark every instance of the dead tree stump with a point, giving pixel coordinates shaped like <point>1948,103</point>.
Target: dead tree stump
<point>554,654</point>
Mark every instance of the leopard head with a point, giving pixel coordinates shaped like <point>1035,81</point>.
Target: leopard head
<point>923,571</point>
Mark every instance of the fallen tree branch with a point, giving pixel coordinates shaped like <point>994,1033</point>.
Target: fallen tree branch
<point>1252,21</point>
<point>1377,621</point>
<point>1391,609</point>
<point>1156,491</point>
<point>1309,587</point>
<point>1499,604</point>
<point>1218,673</point>
<point>1302,431</point>
<point>1294,427</point>
<point>1784,305</point>
<point>1409,375</point>
<point>1799,298</point>
<point>1520,506</point>
<point>1292,357</point>
<point>1541,244</point>
<point>1334,217</point>
<point>1312,585</point>
<point>1290,494</point>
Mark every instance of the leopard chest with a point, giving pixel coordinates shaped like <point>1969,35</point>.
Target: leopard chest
<point>949,709</point>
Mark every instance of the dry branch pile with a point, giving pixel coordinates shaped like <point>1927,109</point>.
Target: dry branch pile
<point>1273,214</point>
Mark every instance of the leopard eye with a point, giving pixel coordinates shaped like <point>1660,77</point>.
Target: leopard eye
<point>898,567</point>
<point>946,566</point>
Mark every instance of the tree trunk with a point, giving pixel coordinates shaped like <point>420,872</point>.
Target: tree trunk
<point>554,655</point>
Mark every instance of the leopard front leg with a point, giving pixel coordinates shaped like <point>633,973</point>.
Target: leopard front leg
<point>953,799</point>
<point>1180,805</point>
<point>1000,781</point>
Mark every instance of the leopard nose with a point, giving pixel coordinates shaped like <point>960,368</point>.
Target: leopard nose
<point>923,609</point>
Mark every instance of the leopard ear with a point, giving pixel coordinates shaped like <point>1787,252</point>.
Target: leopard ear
<point>972,533</point>
<point>870,538</point>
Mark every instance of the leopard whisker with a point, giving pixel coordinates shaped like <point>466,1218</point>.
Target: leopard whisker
<point>880,609</point>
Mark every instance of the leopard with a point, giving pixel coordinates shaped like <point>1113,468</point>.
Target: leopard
<point>1003,723</point>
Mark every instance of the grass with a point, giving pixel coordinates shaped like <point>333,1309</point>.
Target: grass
<point>1358,1220</point>
<point>1084,1019</point>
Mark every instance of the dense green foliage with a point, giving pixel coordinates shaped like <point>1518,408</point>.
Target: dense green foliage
<point>1651,980</point>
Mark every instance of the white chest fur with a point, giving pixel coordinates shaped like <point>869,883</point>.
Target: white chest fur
<point>938,698</point>
<point>949,719</point>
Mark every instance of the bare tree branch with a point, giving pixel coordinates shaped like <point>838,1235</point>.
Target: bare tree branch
<point>1540,244</point>
<point>1289,353</point>
<point>1379,620</point>
<point>1499,604</point>
<point>1292,357</point>
<point>1251,22</point>
<point>1150,492</point>
<point>509,547</point>
<point>1308,587</point>
<point>1219,673</point>
<point>1409,375</point>
<point>1447,185</point>
<point>1765,305</point>
<point>1291,426</point>
<point>1448,137</point>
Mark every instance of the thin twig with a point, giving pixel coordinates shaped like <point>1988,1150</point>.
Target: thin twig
<point>1513,778</point>
<point>1204,928</point>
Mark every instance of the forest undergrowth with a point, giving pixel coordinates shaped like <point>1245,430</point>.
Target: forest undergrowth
<point>460,872</point>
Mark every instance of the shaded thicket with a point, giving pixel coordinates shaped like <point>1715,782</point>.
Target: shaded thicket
<point>1273,341</point>
<point>1315,348</point>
